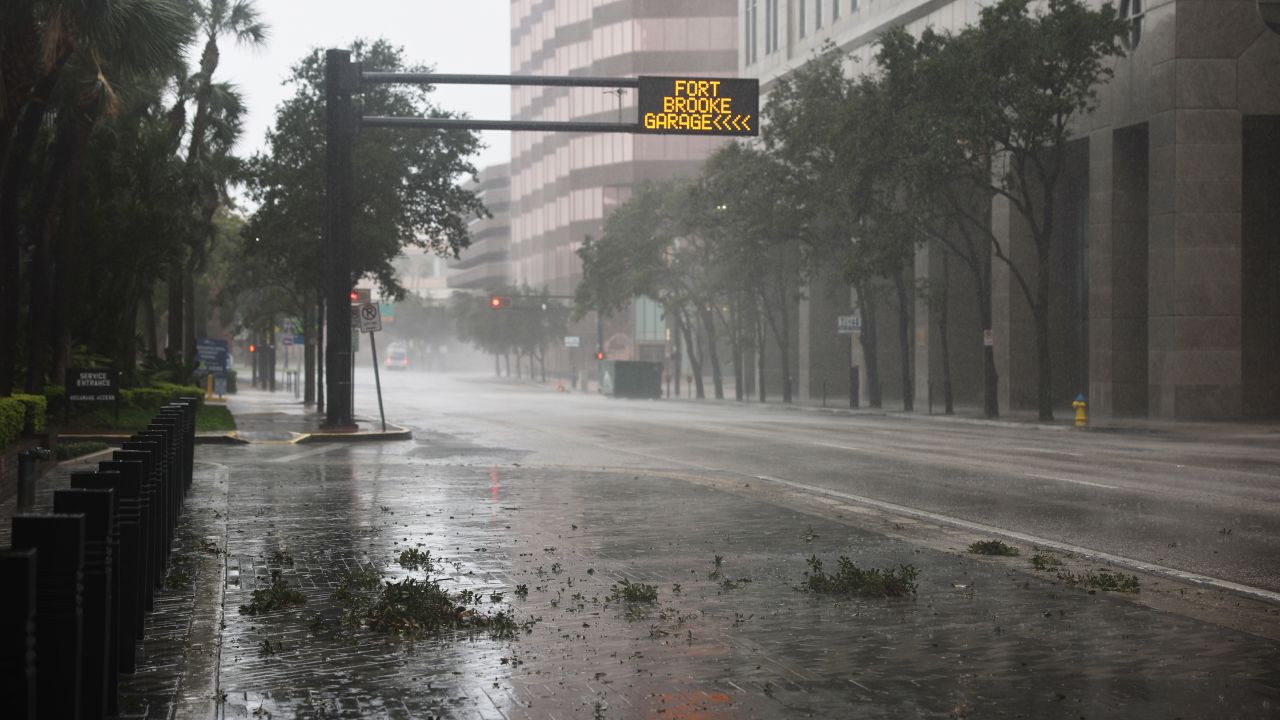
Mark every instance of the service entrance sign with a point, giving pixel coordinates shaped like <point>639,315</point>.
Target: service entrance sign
<point>699,106</point>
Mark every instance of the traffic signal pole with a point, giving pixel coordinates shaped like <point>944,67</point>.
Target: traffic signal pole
<point>341,80</point>
<point>665,106</point>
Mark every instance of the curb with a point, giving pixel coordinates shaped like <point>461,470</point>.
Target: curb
<point>228,438</point>
<point>399,433</point>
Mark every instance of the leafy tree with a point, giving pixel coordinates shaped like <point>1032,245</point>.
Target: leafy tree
<point>406,186</point>
<point>824,128</point>
<point>652,247</point>
<point>63,55</point>
<point>209,163</point>
<point>1036,73</point>
<point>755,246</point>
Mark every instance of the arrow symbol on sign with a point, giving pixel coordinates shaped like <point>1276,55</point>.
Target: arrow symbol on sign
<point>746,122</point>
<point>737,122</point>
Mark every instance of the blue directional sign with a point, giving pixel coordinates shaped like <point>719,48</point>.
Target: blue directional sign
<point>212,354</point>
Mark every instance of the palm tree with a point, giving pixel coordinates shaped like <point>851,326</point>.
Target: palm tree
<point>95,39</point>
<point>215,19</point>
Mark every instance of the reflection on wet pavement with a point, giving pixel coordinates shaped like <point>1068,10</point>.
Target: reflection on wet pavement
<point>980,638</point>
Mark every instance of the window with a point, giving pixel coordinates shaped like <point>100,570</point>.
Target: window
<point>817,14</point>
<point>749,41</point>
<point>803,5</point>
<point>835,10</point>
<point>1133,11</point>
<point>853,6</point>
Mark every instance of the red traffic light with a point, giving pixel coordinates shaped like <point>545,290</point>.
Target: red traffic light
<point>355,296</point>
<point>253,348</point>
<point>499,301</point>
<point>600,355</point>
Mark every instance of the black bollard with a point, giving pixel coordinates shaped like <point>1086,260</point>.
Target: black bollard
<point>26,493</point>
<point>59,539</point>
<point>192,406</point>
<point>18,633</point>
<point>126,593</point>
<point>164,469</point>
<point>96,506</point>
<point>148,453</point>
<point>175,426</point>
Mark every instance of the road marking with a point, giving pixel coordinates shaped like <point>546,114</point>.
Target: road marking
<point>1141,565</point>
<point>838,445</point>
<point>305,453</point>
<point>1071,480</point>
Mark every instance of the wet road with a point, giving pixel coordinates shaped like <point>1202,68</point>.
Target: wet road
<point>1203,500</point>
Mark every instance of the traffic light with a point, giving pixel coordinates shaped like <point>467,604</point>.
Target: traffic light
<point>253,348</point>
<point>497,302</point>
<point>355,296</point>
<point>599,354</point>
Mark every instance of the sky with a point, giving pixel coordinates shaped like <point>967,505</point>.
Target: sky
<point>454,36</point>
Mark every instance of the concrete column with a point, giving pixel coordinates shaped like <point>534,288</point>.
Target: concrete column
<point>1194,277</point>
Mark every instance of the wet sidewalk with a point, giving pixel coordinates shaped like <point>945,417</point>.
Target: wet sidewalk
<point>730,633</point>
<point>279,417</point>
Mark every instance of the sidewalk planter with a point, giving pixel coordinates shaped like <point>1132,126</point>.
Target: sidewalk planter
<point>631,379</point>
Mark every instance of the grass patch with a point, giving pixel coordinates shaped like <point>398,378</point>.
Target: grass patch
<point>214,418</point>
<point>414,608</point>
<point>416,559</point>
<point>1045,562</point>
<point>993,547</point>
<point>277,597</point>
<point>209,418</point>
<point>634,592</point>
<point>852,581</point>
<point>1102,580</point>
<point>68,451</point>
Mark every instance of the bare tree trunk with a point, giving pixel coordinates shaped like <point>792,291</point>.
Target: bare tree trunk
<point>189,315</point>
<point>944,332</point>
<point>319,340</point>
<point>735,347</point>
<point>781,329</point>
<point>709,328</point>
<point>308,355</point>
<point>760,352</point>
<point>13,176</point>
<point>868,340</point>
<point>904,342</point>
<point>695,361</point>
<point>173,347</point>
<point>150,335</point>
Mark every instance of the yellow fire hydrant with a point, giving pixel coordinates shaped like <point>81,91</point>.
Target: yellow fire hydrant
<point>1080,405</point>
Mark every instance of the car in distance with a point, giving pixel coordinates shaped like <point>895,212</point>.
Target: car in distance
<point>397,358</point>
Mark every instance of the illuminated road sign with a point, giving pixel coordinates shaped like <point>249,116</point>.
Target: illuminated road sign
<point>699,106</point>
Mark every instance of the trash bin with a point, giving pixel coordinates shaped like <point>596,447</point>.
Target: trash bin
<point>631,379</point>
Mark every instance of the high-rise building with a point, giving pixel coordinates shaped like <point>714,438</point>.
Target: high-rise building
<point>1164,298</point>
<point>486,263</point>
<point>563,185</point>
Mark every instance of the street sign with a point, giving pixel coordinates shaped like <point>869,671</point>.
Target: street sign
<point>86,385</point>
<point>699,106</point>
<point>572,341</point>
<point>849,324</point>
<point>212,354</point>
<point>370,318</point>
<point>388,311</point>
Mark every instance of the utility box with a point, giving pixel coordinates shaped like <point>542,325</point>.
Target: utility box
<point>631,379</point>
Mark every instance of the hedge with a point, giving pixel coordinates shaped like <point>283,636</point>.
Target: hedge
<point>13,414</point>
<point>148,398</point>
<point>36,408</point>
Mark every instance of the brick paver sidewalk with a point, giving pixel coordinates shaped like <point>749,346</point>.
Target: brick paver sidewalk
<point>980,638</point>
